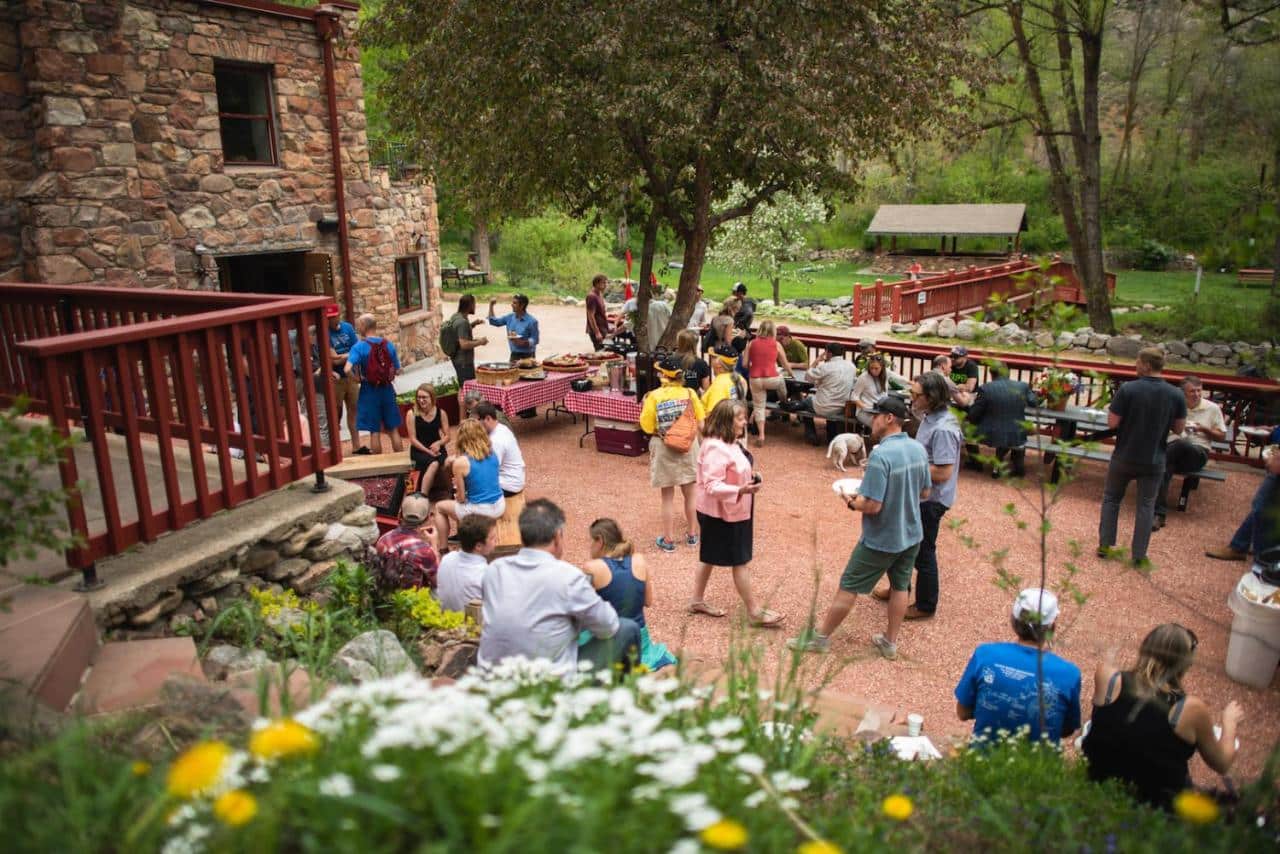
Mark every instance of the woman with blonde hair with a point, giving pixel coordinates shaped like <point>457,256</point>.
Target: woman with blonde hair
<point>621,578</point>
<point>475,481</point>
<point>726,487</point>
<point>428,427</point>
<point>672,407</point>
<point>697,373</point>
<point>763,358</point>
<point>1146,727</point>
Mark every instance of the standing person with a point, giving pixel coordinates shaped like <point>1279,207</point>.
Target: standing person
<point>622,579</point>
<point>522,334</point>
<point>726,512</point>
<point>535,603</point>
<point>505,446</point>
<point>697,373</point>
<point>833,377</point>
<point>744,312</point>
<point>659,316</point>
<point>797,354</point>
<point>461,574</point>
<point>698,316</point>
<point>672,416</point>
<point>1143,412</point>
<point>1260,530</point>
<point>1189,452</point>
<point>964,370</point>
<point>762,359</point>
<point>942,439</point>
<point>721,331</point>
<point>475,482</point>
<point>1146,728</point>
<point>597,313</point>
<point>1000,411</point>
<point>894,483</point>
<point>457,342</point>
<point>728,383</point>
<point>342,337</point>
<point>377,362</point>
<point>428,435</point>
<point>1000,690</point>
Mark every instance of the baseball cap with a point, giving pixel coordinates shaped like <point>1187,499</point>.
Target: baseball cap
<point>784,330</point>
<point>866,344</point>
<point>889,404</point>
<point>1036,606</point>
<point>959,350</point>
<point>739,287</point>
<point>671,365</point>
<point>415,509</point>
<point>726,353</point>
<point>331,310</point>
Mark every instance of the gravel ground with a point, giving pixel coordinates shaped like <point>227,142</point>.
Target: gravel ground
<point>804,534</point>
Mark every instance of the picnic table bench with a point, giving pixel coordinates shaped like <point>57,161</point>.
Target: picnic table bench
<point>1254,277</point>
<point>463,277</point>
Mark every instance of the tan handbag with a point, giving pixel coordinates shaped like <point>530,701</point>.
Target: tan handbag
<point>680,435</point>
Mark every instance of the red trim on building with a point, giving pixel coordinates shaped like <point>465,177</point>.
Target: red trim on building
<point>280,10</point>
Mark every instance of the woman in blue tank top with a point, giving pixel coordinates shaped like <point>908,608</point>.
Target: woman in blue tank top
<point>621,579</point>
<point>475,482</point>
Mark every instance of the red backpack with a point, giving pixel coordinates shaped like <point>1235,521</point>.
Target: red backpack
<point>380,369</point>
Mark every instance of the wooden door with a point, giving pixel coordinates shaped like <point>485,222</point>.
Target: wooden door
<point>317,271</point>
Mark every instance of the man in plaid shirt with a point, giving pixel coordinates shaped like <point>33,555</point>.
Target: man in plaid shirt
<point>407,558</point>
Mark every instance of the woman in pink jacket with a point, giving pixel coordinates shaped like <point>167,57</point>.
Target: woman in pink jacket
<point>726,486</point>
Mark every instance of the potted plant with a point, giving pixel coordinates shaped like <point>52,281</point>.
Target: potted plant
<point>446,399</point>
<point>1056,387</point>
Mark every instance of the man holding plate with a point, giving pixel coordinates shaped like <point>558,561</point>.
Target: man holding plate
<point>522,333</point>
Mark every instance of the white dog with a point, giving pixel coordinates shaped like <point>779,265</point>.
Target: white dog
<point>847,446</point>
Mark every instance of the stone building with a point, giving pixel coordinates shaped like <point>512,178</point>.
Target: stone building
<point>195,144</point>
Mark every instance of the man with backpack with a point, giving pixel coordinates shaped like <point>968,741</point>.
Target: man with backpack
<point>456,340</point>
<point>376,361</point>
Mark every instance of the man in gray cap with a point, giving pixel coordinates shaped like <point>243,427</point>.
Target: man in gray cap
<point>407,557</point>
<point>895,482</point>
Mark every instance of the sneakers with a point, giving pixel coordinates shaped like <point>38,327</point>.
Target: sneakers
<point>914,613</point>
<point>691,540</point>
<point>1226,553</point>
<point>810,642</point>
<point>1157,522</point>
<point>886,648</point>
<point>665,544</point>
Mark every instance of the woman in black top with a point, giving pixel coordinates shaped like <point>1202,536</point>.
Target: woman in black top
<point>1145,727</point>
<point>697,374</point>
<point>428,427</point>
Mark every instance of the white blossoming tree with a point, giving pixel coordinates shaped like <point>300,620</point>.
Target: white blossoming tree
<point>762,243</point>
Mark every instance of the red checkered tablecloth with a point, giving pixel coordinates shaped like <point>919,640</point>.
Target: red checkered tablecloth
<point>524,394</point>
<point>612,405</point>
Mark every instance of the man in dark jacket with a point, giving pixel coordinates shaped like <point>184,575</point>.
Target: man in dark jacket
<point>998,412</point>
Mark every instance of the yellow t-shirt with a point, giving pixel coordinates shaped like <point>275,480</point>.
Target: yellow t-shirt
<point>665,404</point>
<point>723,387</point>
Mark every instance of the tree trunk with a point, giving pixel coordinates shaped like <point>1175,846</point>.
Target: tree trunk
<point>643,290</point>
<point>697,238</point>
<point>480,243</point>
<point>776,281</point>
<point>1089,263</point>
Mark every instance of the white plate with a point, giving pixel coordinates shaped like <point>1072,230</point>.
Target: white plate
<point>846,486</point>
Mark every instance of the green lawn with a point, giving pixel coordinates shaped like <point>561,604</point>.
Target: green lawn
<point>1135,287</point>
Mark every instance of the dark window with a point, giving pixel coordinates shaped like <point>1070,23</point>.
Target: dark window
<point>408,284</point>
<point>244,114</point>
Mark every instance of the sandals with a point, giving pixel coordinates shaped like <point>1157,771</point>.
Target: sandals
<point>767,619</point>
<point>703,608</point>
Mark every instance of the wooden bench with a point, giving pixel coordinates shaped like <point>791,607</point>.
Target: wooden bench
<point>464,278</point>
<point>1254,277</point>
<point>447,273</point>
<point>1051,450</point>
<point>773,408</point>
<point>509,527</point>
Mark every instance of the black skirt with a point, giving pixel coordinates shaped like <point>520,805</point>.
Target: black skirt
<point>725,543</point>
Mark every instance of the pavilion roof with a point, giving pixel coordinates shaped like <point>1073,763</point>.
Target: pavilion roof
<point>950,220</point>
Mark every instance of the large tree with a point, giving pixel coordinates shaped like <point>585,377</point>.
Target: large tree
<point>680,99</point>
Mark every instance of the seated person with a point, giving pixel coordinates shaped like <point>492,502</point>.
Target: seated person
<point>406,555</point>
<point>1260,530</point>
<point>942,364</point>
<point>797,353</point>
<point>964,370</point>
<point>428,427</point>
<point>873,385</point>
<point>998,688</point>
<point>472,399</point>
<point>719,331</point>
<point>1188,453</point>
<point>1000,411</point>
<point>833,377</point>
<point>475,481</point>
<point>510,460</point>
<point>461,572</point>
<point>727,384</point>
<point>535,604</point>
<point>622,579</point>
<point>1145,727</point>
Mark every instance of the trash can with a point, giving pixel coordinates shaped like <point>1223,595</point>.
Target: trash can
<point>1254,649</point>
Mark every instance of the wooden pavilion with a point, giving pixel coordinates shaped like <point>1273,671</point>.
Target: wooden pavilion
<point>949,221</point>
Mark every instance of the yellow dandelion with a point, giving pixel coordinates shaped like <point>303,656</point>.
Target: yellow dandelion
<point>1195,807</point>
<point>140,768</point>
<point>818,846</point>
<point>282,738</point>
<point>897,807</point>
<point>235,807</point>
<point>198,768</point>
<point>725,835</point>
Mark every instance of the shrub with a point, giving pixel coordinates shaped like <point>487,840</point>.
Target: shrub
<point>531,246</point>
<point>33,515</point>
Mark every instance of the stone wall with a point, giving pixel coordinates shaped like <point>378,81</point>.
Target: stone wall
<point>118,166</point>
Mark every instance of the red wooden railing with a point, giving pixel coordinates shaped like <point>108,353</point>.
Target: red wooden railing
<point>1244,400</point>
<point>200,369</point>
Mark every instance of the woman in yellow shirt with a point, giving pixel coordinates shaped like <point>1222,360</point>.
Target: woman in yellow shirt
<point>669,468</point>
<point>728,384</point>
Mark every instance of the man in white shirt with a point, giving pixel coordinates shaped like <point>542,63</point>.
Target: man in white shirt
<point>659,317</point>
<point>510,460</point>
<point>699,315</point>
<point>1187,453</point>
<point>459,578</point>
<point>833,377</point>
<point>535,604</point>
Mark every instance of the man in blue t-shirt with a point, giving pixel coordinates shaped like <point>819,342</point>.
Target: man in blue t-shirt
<point>376,409</point>
<point>522,327</point>
<point>998,689</point>
<point>342,337</point>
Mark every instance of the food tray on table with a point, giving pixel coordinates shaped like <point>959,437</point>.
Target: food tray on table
<point>496,373</point>
<point>599,357</point>
<point>564,364</point>
<point>525,364</point>
<point>533,375</point>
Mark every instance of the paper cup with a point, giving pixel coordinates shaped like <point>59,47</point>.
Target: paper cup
<point>915,723</point>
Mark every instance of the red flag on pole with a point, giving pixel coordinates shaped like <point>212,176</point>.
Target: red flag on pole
<point>627,284</point>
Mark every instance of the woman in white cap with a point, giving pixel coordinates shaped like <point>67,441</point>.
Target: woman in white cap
<point>672,415</point>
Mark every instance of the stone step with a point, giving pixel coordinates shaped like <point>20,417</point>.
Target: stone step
<point>47,639</point>
<point>129,674</point>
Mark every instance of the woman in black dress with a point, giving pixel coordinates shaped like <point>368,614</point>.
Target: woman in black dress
<point>428,427</point>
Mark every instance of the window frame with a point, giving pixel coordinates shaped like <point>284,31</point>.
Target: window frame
<point>417,260</point>
<point>265,73</point>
